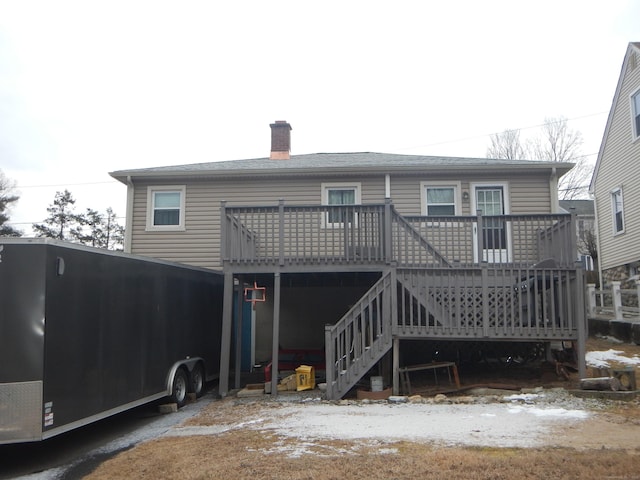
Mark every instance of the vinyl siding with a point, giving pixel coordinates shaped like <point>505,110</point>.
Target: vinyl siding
<point>620,167</point>
<point>199,243</point>
<point>527,194</point>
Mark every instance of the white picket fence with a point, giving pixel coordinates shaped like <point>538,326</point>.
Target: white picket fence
<point>609,302</point>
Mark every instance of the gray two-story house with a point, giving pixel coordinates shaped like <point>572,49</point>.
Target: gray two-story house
<point>364,256</point>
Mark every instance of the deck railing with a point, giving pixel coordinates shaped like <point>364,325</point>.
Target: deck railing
<point>377,234</point>
<point>505,239</point>
<point>303,234</point>
<point>485,302</point>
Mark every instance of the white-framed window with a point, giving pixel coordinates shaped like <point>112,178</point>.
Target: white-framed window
<point>440,198</point>
<point>165,207</point>
<point>340,194</point>
<point>617,209</point>
<point>635,114</point>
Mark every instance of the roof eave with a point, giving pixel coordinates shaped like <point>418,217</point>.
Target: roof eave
<point>125,176</point>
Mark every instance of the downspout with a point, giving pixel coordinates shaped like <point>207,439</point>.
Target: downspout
<point>129,216</point>
<point>597,229</point>
<point>553,189</point>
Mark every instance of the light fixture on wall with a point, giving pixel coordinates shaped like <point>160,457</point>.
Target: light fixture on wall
<point>465,196</point>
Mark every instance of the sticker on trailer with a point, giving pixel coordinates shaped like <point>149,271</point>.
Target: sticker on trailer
<point>48,414</point>
<point>48,419</point>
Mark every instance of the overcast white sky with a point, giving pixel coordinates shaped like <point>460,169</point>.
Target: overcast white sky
<point>89,87</point>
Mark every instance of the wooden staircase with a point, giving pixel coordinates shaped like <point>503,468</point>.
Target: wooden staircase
<point>448,303</point>
<point>361,337</point>
<point>364,334</point>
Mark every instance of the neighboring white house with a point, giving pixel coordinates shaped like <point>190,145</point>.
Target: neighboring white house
<point>615,185</point>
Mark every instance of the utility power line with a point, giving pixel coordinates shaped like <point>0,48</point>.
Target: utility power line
<point>488,135</point>
<point>66,184</point>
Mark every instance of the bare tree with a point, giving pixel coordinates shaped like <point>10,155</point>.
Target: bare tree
<point>589,243</point>
<point>559,143</point>
<point>556,142</point>
<point>7,198</point>
<point>575,183</point>
<point>506,145</point>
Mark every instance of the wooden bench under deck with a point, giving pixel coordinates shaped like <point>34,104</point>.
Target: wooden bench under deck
<point>406,382</point>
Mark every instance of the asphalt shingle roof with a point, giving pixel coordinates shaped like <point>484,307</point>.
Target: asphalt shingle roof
<point>322,162</point>
<point>580,207</point>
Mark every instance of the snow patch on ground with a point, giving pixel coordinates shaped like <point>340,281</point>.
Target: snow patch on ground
<point>603,359</point>
<point>498,424</point>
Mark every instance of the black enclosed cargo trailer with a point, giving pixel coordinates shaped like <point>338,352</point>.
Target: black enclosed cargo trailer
<point>87,333</point>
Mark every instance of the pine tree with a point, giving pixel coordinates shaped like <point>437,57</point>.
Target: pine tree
<point>62,223</point>
<point>7,198</point>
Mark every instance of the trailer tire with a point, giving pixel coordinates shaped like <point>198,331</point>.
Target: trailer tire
<point>197,380</point>
<point>179,387</point>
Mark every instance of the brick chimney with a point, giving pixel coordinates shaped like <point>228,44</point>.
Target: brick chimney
<point>280,140</point>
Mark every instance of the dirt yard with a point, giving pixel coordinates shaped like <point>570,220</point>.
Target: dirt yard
<point>540,432</point>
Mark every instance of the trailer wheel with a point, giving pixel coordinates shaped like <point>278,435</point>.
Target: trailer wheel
<point>197,380</point>
<point>179,388</point>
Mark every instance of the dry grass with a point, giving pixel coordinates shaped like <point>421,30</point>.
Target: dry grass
<point>252,455</point>
<point>259,454</point>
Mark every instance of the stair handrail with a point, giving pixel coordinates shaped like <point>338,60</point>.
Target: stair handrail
<point>410,229</point>
<point>360,338</point>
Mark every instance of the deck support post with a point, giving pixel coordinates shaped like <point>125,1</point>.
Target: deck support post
<point>396,366</point>
<point>224,233</point>
<point>239,321</point>
<point>281,232</point>
<point>391,299</point>
<point>581,316</point>
<point>329,362</point>
<point>387,231</point>
<point>276,334</point>
<point>225,340</point>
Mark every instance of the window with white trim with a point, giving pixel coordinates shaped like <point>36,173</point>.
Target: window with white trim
<point>618,211</point>
<point>340,194</point>
<point>165,207</point>
<point>440,199</point>
<point>635,111</point>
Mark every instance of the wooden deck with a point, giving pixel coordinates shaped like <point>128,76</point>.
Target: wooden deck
<point>289,237</point>
<point>510,277</point>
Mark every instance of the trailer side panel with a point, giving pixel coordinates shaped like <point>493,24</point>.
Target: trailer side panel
<point>109,326</point>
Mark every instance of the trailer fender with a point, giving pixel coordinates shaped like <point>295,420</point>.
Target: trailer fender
<point>187,366</point>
